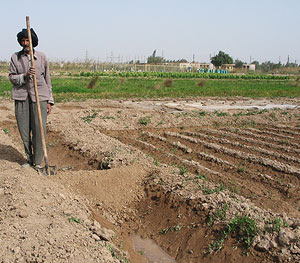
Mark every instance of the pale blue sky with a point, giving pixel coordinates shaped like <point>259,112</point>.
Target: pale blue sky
<point>131,29</point>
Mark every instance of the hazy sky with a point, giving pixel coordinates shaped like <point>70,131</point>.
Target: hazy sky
<point>131,29</point>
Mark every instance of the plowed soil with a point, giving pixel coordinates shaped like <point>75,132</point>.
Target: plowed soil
<point>165,170</point>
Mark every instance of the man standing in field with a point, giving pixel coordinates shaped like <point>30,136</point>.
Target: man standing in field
<point>21,76</point>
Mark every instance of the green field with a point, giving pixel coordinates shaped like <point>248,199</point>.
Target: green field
<point>76,88</point>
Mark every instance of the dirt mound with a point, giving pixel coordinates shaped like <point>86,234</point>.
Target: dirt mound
<point>41,221</point>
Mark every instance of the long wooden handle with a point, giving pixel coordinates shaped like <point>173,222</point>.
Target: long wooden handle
<point>37,96</point>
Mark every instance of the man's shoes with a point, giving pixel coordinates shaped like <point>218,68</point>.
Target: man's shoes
<point>38,167</point>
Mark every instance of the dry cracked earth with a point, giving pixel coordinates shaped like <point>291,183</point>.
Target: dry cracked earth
<point>155,181</point>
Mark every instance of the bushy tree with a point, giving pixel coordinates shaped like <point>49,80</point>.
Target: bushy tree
<point>269,66</point>
<point>238,63</point>
<point>221,58</point>
<point>153,59</point>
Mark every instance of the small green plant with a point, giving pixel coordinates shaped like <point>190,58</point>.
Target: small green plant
<point>221,113</point>
<point>6,131</point>
<point>244,228</point>
<point>145,120</point>
<point>216,245</point>
<point>208,191</point>
<point>201,177</point>
<point>89,117</point>
<point>52,144</point>
<point>233,187</point>
<point>202,113</point>
<point>220,214</point>
<point>107,118</point>
<point>176,228</point>
<point>75,219</point>
<point>160,181</point>
<point>273,116</point>
<point>248,123</point>
<point>160,123</point>
<point>182,170</point>
<point>156,163</point>
<point>241,170</point>
<point>274,225</point>
<point>164,231</point>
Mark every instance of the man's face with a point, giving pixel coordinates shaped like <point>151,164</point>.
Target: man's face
<point>25,44</point>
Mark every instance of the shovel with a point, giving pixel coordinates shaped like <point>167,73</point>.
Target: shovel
<point>47,170</point>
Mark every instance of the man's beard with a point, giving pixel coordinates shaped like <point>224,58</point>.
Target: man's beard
<point>26,49</point>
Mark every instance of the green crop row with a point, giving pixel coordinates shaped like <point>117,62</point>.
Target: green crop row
<point>182,75</point>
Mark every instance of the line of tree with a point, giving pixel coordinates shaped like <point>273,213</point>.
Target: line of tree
<point>222,58</point>
<point>153,59</point>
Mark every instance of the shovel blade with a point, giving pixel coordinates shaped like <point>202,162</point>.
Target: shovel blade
<point>47,170</point>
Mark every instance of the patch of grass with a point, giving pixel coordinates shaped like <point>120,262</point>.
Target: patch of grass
<point>114,87</point>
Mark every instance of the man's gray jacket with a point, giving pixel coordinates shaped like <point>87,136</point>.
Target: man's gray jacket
<point>19,65</point>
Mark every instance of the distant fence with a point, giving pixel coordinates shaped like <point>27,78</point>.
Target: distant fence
<point>77,67</point>
<point>92,67</point>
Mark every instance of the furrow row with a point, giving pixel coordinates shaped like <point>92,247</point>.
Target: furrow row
<point>200,168</point>
<point>283,130</point>
<point>175,144</point>
<point>273,134</point>
<point>237,144</point>
<point>247,133</point>
<point>254,141</point>
<point>209,158</point>
<point>285,168</point>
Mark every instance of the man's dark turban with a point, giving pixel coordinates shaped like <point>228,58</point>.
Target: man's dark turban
<point>24,34</point>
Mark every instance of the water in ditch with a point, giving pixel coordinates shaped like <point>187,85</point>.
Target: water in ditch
<point>152,252</point>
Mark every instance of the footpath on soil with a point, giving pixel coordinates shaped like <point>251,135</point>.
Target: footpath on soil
<point>170,171</point>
